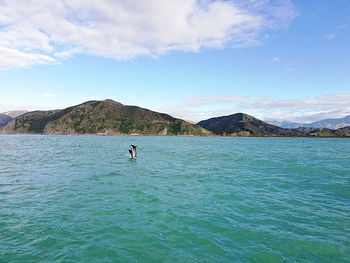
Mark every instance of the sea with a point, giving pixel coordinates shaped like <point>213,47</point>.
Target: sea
<point>184,199</point>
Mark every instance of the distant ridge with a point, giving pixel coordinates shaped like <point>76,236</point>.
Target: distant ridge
<point>241,124</point>
<point>326,123</point>
<point>14,113</point>
<point>102,117</point>
<point>4,119</point>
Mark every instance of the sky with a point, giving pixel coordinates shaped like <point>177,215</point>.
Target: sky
<point>280,59</point>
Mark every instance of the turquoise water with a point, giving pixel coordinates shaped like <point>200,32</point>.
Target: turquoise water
<point>185,199</point>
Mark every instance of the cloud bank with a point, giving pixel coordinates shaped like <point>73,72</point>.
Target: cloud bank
<point>298,110</point>
<point>45,31</point>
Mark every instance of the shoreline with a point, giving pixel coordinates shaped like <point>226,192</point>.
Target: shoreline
<point>157,135</point>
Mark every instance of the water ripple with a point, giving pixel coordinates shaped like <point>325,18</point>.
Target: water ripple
<point>80,199</point>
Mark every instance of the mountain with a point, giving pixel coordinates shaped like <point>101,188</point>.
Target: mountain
<point>241,124</point>
<point>331,123</point>
<point>4,119</point>
<point>14,113</point>
<point>326,123</point>
<point>104,117</point>
<point>286,124</point>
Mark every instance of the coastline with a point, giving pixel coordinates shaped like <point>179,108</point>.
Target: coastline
<point>157,135</point>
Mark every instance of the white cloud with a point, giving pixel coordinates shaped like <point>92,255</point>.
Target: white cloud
<point>276,59</point>
<point>10,57</point>
<point>8,107</point>
<point>206,100</point>
<point>42,31</point>
<point>197,108</point>
<point>305,110</point>
<point>310,116</point>
<point>289,69</point>
<point>329,36</point>
<point>343,26</point>
<point>326,102</point>
<point>65,54</point>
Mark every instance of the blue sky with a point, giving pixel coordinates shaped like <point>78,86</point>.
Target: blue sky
<point>286,60</point>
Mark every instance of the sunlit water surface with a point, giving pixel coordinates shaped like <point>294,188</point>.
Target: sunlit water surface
<point>185,199</point>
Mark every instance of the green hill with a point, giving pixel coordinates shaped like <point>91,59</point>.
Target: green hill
<point>241,124</point>
<point>324,132</point>
<point>102,117</point>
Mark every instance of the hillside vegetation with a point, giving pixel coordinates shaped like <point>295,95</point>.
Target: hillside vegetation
<point>109,117</point>
<point>102,117</point>
<point>241,124</point>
